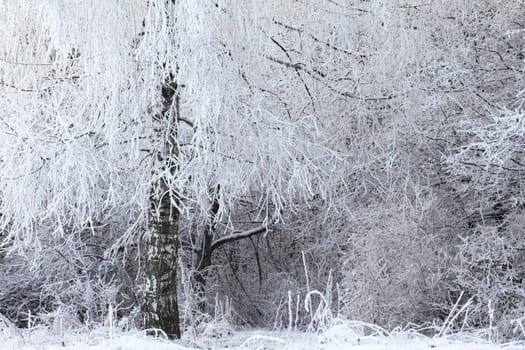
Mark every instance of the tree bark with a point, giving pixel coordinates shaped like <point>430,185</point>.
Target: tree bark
<point>160,307</point>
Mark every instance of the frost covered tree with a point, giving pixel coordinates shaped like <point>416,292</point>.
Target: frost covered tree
<point>435,165</point>
<point>486,159</point>
<point>143,114</point>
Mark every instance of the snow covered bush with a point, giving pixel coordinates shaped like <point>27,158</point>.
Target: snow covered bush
<point>491,269</point>
<point>68,281</point>
<point>396,272</point>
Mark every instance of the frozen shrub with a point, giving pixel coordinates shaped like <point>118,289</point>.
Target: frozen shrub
<point>491,268</point>
<point>69,280</point>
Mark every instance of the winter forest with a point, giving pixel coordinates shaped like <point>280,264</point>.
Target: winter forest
<point>347,171</point>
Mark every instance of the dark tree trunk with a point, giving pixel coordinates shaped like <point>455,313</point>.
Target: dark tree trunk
<point>160,307</point>
<point>204,258</point>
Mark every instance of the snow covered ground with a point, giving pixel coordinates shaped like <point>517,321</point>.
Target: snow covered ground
<point>339,337</point>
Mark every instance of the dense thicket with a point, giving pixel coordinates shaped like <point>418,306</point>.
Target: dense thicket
<point>370,150</point>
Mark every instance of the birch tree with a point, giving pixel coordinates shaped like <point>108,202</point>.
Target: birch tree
<point>136,110</point>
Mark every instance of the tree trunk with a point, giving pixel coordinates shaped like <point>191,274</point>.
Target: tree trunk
<point>204,257</point>
<point>160,307</point>
<point>199,278</point>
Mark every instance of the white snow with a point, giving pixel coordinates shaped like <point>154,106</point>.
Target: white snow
<point>339,337</point>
